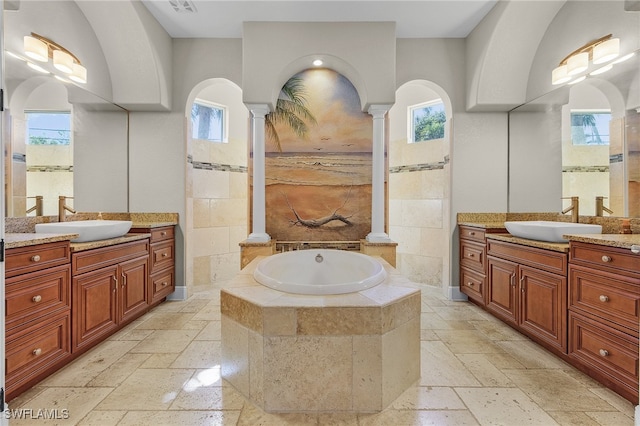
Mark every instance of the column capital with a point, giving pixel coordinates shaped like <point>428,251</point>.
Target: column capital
<point>379,110</point>
<point>258,110</point>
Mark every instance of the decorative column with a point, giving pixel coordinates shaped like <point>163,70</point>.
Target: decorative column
<point>259,234</point>
<point>377,233</point>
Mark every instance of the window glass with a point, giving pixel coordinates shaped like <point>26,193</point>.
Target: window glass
<point>208,121</point>
<point>48,127</point>
<point>590,127</point>
<point>427,121</point>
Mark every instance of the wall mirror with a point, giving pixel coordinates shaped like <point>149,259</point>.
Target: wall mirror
<point>59,137</point>
<point>579,140</point>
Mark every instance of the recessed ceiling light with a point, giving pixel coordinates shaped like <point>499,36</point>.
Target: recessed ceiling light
<point>317,62</point>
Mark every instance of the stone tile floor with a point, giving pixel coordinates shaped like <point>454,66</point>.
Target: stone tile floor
<point>164,369</point>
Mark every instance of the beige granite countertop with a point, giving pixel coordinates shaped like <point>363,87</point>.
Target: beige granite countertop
<point>610,227</point>
<point>561,247</point>
<point>151,225</point>
<point>611,240</point>
<point>16,240</point>
<point>75,247</point>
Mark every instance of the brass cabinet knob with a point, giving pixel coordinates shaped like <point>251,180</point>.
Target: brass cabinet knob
<point>163,233</point>
<point>165,254</point>
<point>606,258</point>
<point>470,284</point>
<point>472,233</point>
<point>604,352</point>
<point>37,352</point>
<point>37,298</point>
<point>604,298</point>
<point>35,258</point>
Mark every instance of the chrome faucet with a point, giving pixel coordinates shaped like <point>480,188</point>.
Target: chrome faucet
<point>63,208</point>
<point>573,208</point>
<point>600,208</point>
<point>319,258</point>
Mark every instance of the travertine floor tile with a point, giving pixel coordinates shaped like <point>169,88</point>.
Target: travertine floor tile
<point>119,371</point>
<point>199,354</point>
<point>504,406</point>
<point>166,321</point>
<point>167,418</point>
<point>440,367</point>
<point>428,398</point>
<point>252,416</point>
<point>77,402</point>
<point>483,370</point>
<point>92,363</point>
<point>102,418</point>
<point>147,389</point>
<point>435,418</point>
<point>165,341</point>
<point>211,331</point>
<point>532,355</point>
<point>556,391</point>
<point>194,397</point>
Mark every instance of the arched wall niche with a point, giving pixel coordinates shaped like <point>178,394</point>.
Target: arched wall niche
<point>217,188</point>
<point>331,62</point>
<point>419,189</point>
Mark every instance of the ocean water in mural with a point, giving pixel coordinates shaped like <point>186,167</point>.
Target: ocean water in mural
<point>318,182</point>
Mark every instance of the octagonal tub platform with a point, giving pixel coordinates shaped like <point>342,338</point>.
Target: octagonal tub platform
<point>354,352</point>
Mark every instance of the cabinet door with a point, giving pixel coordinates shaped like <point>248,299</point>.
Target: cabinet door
<point>501,288</point>
<point>95,308</point>
<point>543,306</point>
<point>133,287</point>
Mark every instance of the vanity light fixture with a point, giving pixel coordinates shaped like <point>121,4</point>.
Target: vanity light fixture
<point>41,49</point>
<point>601,70</point>
<point>37,67</point>
<point>598,51</point>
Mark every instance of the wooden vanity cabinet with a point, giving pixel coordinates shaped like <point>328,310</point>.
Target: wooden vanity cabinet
<point>161,261</point>
<point>110,288</point>
<point>527,288</point>
<point>37,313</point>
<point>604,306</point>
<point>473,261</point>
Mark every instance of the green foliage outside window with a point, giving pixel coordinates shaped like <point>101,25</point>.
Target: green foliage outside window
<point>428,122</point>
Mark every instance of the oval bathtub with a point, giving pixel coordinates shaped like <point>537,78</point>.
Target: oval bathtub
<point>321,271</point>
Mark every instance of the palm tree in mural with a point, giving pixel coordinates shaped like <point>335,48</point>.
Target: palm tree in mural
<point>291,109</point>
<point>205,116</point>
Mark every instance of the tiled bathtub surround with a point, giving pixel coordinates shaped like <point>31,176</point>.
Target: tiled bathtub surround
<point>338,353</point>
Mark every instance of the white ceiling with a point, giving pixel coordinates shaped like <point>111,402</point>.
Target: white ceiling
<point>417,18</point>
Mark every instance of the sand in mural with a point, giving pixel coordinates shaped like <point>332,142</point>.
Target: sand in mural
<point>318,187</point>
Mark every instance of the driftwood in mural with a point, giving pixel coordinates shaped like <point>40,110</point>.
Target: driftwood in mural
<point>317,223</point>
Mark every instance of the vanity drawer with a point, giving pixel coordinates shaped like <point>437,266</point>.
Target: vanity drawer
<point>23,260</point>
<point>471,233</point>
<point>547,260</point>
<point>610,258</point>
<point>609,296</point>
<point>472,284</point>
<point>34,349</point>
<point>472,255</point>
<point>162,284</point>
<point>91,260</point>
<point>161,234</point>
<point>162,255</point>
<point>37,294</point>
<point>607,352</point>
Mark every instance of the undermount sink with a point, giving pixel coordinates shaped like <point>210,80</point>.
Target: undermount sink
<point>88,230</point>
<point>543,230</point>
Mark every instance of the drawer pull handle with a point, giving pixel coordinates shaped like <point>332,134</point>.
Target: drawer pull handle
<point>604,298</point>
<point>472,233</point>
<point>604,352</point>
<point>164,284</point>
<point>163,233</point>
<point>37,298</point>
<point>35,258</point>
<point>165,254</point>
<point>37,352</point>
<point>470,284</point>
<point>606,258</point>
<point>124,280</point>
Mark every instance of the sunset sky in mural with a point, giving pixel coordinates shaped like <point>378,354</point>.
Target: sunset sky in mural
<point>341,127</point>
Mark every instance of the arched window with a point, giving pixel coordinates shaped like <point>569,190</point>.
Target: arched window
<point>426,121</point>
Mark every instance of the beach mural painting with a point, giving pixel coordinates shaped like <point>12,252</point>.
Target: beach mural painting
<point>318,161</point>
